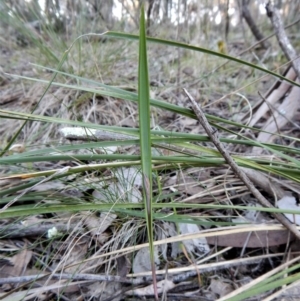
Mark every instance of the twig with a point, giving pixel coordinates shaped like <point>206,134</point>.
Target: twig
<point>73,277</point>
<point>182,276</point>
<point>282,38</point>
<point>271,109</point>
<point>239,173</point>
<point>17,231</point>
<point>77,133</point>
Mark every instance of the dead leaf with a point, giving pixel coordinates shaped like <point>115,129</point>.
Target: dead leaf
<point>197,245</point>
<point>73,253</point>
<point>126,188</point>
<point>16,265</point>
<point>98,225</point>
<point>123,266</point>
<point>188,70</point>
<point>220,287</point>
<point>289,202</point>
<point>188,182</point>
<point>260,239</point>
<point>141,262</point>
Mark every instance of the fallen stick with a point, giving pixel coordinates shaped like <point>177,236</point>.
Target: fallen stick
<point>239,173</point>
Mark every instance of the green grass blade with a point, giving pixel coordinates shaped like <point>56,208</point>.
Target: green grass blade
<point>254,292</point>
<point>145,139</point>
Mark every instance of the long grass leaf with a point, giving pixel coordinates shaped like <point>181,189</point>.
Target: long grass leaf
<point>145,138</point>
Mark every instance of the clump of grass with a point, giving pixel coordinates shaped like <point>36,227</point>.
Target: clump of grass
<point>95,87</point>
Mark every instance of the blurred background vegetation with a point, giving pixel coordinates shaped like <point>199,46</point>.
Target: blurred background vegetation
<point>189,20</point>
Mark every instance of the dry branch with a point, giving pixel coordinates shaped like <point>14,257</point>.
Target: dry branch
<point>239,173</point>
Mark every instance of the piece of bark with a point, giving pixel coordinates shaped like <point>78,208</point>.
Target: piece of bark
<point>284,114</point>
<point>273,95</point>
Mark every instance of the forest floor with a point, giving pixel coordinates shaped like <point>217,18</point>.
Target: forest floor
<point>87,241</point>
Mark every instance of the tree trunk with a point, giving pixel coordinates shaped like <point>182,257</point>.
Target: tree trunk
<point>254,29</point>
